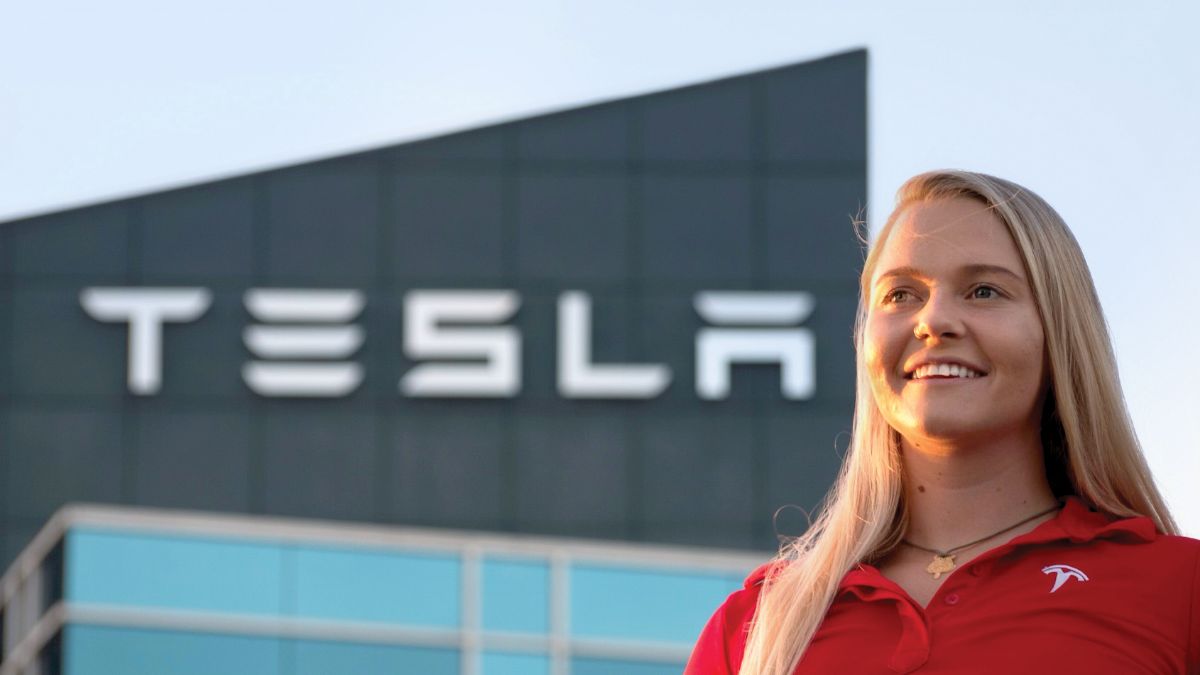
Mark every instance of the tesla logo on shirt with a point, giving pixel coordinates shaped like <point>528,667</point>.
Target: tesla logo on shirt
<point>1063,572</point>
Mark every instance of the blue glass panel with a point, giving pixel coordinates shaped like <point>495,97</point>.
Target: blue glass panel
<point>516,596</point>
<point>372,585</point>
<point>110,567</point>
<point>644,604</point>
<point>605,667</point>
<point>103,650</point>
<point>502,663</point>
<point>327,658</point>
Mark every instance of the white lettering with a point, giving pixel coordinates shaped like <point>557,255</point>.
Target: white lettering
<point>146,310</point>
<point>717,349</point>
<point>305,341</point>
<point>579,378</point>
<point>320,305</point>
<point>298,378</point>
<point>499,347</point>
<point>309,341</point>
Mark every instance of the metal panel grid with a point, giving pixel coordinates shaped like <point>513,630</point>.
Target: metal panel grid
<point>745,183</point>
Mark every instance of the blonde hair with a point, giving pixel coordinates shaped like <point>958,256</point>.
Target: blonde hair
<point>1089,445</point>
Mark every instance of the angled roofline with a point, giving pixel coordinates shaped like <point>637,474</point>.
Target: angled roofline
<point>417,137</point>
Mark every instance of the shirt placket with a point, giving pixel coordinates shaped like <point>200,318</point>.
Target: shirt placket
<point>912,649</point>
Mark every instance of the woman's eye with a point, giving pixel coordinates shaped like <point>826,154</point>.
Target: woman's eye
<point>984,292</point>
<point>898,295</point>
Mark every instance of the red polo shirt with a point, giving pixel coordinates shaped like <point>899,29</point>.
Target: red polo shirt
<point>1078,594</point>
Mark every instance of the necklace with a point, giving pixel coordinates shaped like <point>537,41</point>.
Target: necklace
<point>943,561</point>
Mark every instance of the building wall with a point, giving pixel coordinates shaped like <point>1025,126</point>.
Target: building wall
<point>742,184</point>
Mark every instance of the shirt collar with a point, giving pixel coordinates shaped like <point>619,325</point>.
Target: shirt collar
<point>1078,524</point>
<point>1075,523</point>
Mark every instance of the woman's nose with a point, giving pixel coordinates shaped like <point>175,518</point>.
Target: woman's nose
<point>938,319</point>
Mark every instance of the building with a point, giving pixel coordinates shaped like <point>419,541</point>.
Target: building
<point>626,322</point>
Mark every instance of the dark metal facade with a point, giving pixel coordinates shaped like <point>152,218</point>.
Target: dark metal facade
<point>748,183</point>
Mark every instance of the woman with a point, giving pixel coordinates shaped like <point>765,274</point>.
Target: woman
<point>994,513</point>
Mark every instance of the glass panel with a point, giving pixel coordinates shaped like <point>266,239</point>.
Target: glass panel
<point>623,602</point>
<point>327,658</point>
<point>516,596</point>
<point>605,667</point>
<point>371,585</point>
<point>101,650</point>
<point>502,663</point>
<point>107,567</point>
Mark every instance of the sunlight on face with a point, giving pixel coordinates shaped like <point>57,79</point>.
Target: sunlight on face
<point>953,342</point>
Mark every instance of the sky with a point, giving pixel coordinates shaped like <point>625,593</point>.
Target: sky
<point>1091,104</point>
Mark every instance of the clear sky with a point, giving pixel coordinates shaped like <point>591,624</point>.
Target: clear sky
<point>1092,104</point>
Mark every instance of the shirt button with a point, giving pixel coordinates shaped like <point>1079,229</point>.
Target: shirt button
<point>951,599</point>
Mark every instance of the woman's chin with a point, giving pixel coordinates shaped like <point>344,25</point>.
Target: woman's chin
<point>944,430</point>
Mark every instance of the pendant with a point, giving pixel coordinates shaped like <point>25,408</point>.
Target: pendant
<point>941,564</point>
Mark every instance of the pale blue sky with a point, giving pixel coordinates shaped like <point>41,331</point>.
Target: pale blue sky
<point>1092,104</point>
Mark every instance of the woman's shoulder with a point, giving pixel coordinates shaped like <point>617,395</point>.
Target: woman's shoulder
<point>1177,543</point>
<point>1168,572</point>
<point>1177,551</point>
<point>739,607</point>
<point>1166,561</point>
<point>723,642</point>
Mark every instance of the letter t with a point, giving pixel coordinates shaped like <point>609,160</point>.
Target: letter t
<point>145,309</point>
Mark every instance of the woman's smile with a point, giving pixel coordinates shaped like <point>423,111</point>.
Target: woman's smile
<point>939,370</point>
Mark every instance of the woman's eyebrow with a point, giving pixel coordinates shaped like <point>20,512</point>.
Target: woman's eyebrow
<point>965,270</point>
<point>993,269</point>
<point>900,272</point>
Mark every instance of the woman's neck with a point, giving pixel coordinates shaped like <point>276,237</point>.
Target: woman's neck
<point>958,494</point>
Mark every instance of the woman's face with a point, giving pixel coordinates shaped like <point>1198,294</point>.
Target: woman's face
<point>953,342</point>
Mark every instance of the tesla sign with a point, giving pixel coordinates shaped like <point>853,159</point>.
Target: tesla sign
<point>303,341</point>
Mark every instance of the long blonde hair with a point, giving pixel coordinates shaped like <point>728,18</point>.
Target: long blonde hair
<point>1088,441</point>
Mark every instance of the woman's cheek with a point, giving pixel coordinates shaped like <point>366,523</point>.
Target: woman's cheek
<point>874,359</point>
<point>882,387</point>
<point>874,342</point>
<point>1032,342</point>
